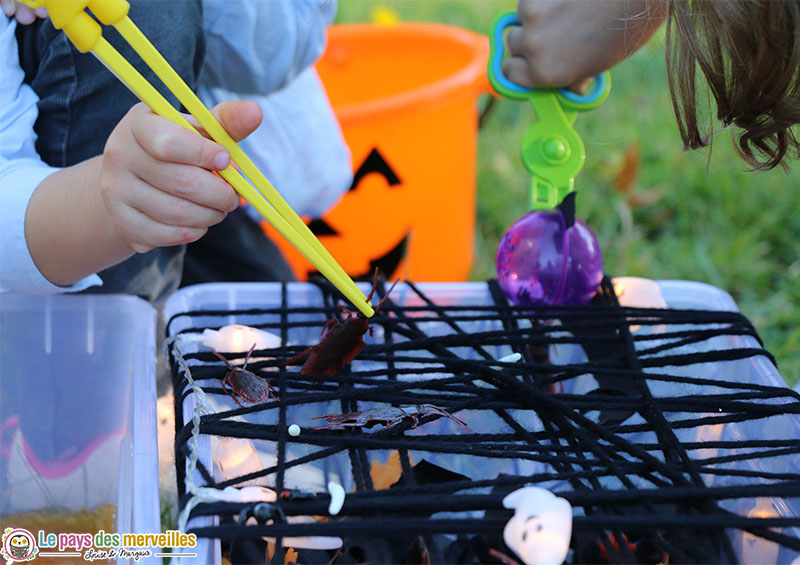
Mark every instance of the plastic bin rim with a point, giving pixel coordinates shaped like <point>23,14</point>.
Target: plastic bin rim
<point>135,301</point>
<point>471,76</point>
<point>173,303</point>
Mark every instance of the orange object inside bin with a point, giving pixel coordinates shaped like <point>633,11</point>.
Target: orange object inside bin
<point>406,97</point>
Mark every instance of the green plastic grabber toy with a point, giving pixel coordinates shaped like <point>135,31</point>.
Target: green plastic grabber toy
<point>552,150</point>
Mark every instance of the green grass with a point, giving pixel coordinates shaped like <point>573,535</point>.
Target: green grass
<point>714,222</point>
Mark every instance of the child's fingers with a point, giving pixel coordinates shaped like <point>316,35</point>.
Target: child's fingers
<point>239,117</point>
<point>165,208</point>
<point>144,233</point>
<point>24,14</point>
<point>518,70</point>
<point>514,41</point>
<point>8,7</point>
<point>189,183</point>
<point>192,183</point>
<point>166,141</point>
<point>527,64</point>
<point>517,67</point>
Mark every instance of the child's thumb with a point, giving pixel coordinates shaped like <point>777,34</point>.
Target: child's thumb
<point>239,117</point>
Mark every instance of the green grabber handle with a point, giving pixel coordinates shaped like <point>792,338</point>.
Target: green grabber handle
<point>552,150</point>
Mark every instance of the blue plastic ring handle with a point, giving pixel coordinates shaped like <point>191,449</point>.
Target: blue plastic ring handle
<point>504,22</point>
<point>589,98</point>
<point>511,20</point>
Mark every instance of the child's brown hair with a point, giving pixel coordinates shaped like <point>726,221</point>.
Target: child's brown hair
<point>749,52</point>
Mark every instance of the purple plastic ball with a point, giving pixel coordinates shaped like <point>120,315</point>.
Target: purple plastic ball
<point>542,262</point>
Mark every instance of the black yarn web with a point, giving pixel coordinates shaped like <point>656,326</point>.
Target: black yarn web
<point>654,433</point>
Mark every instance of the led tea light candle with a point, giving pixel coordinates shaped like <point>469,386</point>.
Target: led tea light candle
<point>756,549</point>
<point>237,338</point>
<point>541,528</point>
<point>709,433</point>
<point>636,292</point>
<point>237,457</point>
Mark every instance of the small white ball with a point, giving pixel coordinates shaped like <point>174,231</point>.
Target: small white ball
<point>294,430</point>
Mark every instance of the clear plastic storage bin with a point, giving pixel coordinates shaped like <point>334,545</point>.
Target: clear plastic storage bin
<point>675,294</point>
<point>78,441</point>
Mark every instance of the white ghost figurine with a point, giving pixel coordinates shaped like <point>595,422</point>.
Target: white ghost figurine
<point>540,530</point>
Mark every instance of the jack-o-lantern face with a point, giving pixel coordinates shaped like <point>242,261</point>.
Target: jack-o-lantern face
<point>389,262</point>
<point>369,228</point>
<point>405,97</point>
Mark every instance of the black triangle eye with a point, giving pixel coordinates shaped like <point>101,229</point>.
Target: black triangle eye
<point>321,227</point>
<point>375,163</point>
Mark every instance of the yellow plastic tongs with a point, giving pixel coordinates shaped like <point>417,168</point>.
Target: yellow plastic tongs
<point>87,35</point>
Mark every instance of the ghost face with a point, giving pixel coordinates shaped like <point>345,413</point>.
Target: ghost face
<point>540,530</point>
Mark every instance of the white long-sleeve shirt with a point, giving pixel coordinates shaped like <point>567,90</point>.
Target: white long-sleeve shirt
<point>21,171</point>
<point>254,47</point>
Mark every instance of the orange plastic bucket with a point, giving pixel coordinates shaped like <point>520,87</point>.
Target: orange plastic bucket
<point>406,97</point>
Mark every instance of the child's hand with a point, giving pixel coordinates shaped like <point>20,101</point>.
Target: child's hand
<point>157,180</point>
<point>24,14</point>
<point>565,42</point>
